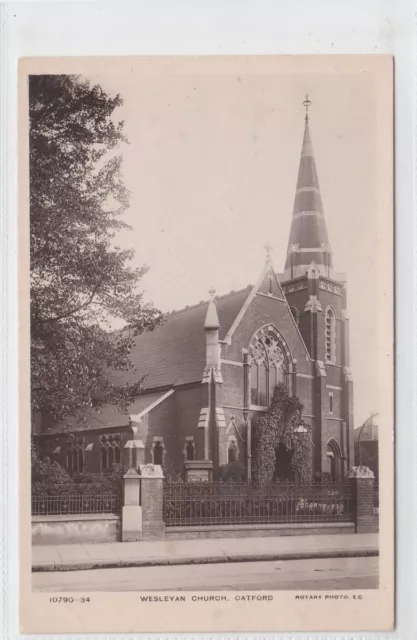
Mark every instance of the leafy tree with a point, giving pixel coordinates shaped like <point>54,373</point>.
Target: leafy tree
<point>81,281</point>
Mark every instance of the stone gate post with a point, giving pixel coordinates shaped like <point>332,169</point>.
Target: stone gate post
<point>131,511</point>
<point>362,481</point>
<point>152,493</point>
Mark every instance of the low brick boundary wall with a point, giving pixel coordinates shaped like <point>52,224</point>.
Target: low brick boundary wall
<point>75,529</point>
<point>257,531</point>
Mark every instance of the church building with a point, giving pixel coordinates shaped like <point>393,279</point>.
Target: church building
<point>212,367</point>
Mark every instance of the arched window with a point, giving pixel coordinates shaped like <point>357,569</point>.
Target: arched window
<point>333,455</point>
<point>75,455</point>
<point>158,452</point>
<point>330,335</point>
<point>231,452</point>
<point>110,451</point>
<point>189,450</point>
<point>268,368</point>
<point>295,314</point>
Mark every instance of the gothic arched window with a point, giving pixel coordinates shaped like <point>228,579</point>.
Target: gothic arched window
<point>295,314</point>
<point>110,451</point>
<point>75,455</point>
<point>268,368</point>
<point>158,452</point>
<point>330,335</point>
<point>189,450</point>
<point>231,452</point>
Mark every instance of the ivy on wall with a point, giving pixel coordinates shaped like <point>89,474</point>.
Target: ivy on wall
<point>275,428</point>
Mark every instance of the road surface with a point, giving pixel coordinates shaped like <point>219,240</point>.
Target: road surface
<point>323,574</point>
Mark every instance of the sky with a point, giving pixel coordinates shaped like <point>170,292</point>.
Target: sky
<point>212,166</point>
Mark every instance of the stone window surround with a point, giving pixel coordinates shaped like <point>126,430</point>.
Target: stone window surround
<point>75,455</point>
<point>160,440</point>
<point>232,440</point>
<point>110,442</point>
<point>331,407</point>
<point>285,366</point>
<point>189,439</point>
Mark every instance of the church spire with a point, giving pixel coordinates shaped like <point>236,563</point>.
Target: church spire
<point>308,240</point>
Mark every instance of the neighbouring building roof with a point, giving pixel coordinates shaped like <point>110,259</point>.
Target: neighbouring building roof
<point>108,416</point>
<point>369,433</point>
<point>175,353</point>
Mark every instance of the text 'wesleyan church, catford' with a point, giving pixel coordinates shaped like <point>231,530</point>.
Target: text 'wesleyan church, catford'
<point>212,367</point>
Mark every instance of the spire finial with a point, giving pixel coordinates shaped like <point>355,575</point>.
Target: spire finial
<point>268,252</point>
<point>306,103</point>
<point>212,292</point>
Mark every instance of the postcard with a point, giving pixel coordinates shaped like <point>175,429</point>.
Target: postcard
<point>206,344</point>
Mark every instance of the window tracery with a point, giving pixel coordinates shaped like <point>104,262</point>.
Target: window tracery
<point>110,451</point>
<point>75,455</point>
<point>268,368</point>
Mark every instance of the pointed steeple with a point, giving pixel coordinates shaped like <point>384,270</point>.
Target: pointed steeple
<point>308,236</point>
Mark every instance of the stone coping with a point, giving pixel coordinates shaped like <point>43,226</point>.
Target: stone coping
<point>71,517</point>
<point>199,464</point>
<point>262,527</point>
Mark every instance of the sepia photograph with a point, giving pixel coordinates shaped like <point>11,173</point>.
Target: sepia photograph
<point>208,282</point>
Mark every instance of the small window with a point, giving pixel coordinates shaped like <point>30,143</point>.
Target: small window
<point>331,402</point>
<point>189,450</point>
<point>104,458</point>
<point>158,452</point>
<point>232,452</point>
<point>254,383</point>
<point>295,314</point>
<point>80,461</point>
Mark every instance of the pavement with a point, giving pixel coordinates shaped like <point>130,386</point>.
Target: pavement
<point>75,557</point>
<point>323,574</point>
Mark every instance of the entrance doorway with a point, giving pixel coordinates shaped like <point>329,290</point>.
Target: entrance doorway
<point>283,469</point>
<point>334,457</point>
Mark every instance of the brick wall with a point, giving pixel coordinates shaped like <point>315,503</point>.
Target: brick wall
<point>232,385</point>
<point>153,526</point>
<point>263,311</point>
<point>189,402</point>
<point>363,501</point>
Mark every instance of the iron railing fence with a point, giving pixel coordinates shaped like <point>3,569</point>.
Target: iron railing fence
<point>235,504</point>
<point>75,499</point>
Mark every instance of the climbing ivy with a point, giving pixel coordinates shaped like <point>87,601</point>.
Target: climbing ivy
<point>276,427</point>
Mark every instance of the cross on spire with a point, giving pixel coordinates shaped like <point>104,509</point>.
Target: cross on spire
<point>306,103</point>
<point>268,252</point>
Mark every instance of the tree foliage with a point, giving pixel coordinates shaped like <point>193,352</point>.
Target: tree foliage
<point>81,281</point>
<point>275,428</point>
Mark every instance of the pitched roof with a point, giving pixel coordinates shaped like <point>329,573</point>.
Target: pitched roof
<point>175,352</point>
<point>107,417</point>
